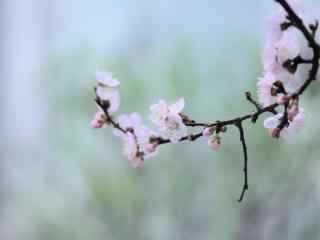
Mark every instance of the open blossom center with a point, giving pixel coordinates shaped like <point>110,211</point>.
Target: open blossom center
<point>167,118</point>
<point>171,123</point>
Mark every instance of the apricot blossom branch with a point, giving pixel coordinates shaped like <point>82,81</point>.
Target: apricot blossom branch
<point>290,66</point>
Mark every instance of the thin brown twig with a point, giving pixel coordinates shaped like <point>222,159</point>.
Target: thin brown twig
<point>245,154</point>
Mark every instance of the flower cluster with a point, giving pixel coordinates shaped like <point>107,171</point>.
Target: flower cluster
<point>140,141</point>
<point>285,55</point>
<point>138,144</point>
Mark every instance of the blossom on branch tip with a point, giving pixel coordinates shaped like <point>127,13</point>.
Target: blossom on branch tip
<point>106,79</point>
<point>106,90</point>
<point>168,119</point>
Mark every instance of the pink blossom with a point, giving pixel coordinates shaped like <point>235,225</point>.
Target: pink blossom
<point>99,120</point>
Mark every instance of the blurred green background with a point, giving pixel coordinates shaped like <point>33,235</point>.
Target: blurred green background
<point>62,180</point>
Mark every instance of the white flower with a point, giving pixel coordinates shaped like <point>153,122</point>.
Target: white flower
<point>283,45</point>
<point>276,52</point>
<point>131,150</point>
<point>168,119</point>
<point>264,88</point>
<point>132,121</point>
<point>274,27</point>
<point>288,47</point>
<point>280,17</point>
<point>137,139</point>
<point>106,90</point>
<point>269,58</point>
<point>295,125</point>
<point>106,79</point>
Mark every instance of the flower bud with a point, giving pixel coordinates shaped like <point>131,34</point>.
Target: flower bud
<point>207,132</point>
<point>151,147</point>
<point>98,121</point>
<point>292,112</point>
<point>275,132</point>
<point>96,124</point>
<point>215,143</point>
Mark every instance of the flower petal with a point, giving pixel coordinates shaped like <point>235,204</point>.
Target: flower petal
<point>106,79</point>
<point>178,106</point>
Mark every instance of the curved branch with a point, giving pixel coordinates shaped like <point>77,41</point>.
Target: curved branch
<point>291,65</point>
<point>245,154</point>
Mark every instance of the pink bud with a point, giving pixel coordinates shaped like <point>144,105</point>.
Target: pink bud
<point>207,132</point>
<point>274,132</point>
<point>98,120</point>
<point>215,143</point>
<point>282,99</point>
<point>96,124</point>
<point>151,147</point>
<point>292,112</point>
